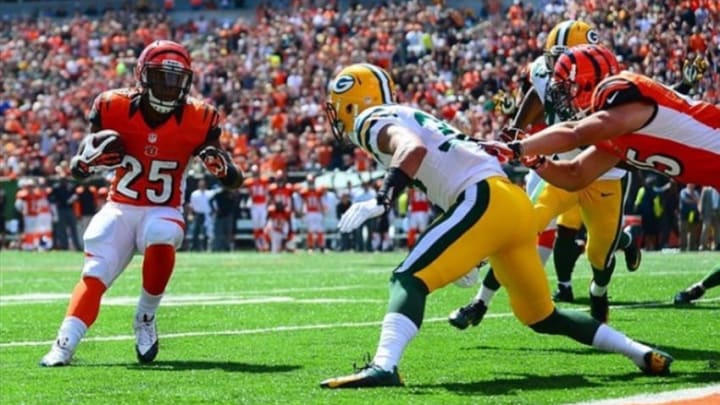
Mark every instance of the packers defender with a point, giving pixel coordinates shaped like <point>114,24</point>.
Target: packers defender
<point>468,183</point>
<point>599,206</point>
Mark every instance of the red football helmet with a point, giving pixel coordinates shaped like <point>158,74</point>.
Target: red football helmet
<point>164,74</point>
<point>577,72</point>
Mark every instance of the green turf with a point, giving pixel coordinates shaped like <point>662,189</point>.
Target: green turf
<point>261,329</point>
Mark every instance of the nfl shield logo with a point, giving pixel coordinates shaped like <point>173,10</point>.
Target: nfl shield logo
<point>152,137</point>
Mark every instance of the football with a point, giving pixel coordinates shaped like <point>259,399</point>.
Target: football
<point>108,141</point>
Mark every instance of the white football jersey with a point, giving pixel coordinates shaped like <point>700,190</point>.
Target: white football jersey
<point>453,161</point>
<point>540,78</point>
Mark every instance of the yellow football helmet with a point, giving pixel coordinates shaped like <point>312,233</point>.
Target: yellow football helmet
<point>355,89</point>
<point>565,35</point>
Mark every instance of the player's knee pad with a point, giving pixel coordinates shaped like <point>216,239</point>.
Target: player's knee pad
<point>162,232</point>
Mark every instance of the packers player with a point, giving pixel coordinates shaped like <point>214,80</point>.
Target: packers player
<point>468,183</point>
<point>599,206</point>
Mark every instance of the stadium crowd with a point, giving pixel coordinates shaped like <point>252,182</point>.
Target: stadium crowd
<point>268,77</point>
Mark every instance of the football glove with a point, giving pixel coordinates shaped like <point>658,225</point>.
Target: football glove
<point>92,159</point>
<point>500,150</point>
<point>533,162</point>
<point>215,160</point>
<point>358,213</point>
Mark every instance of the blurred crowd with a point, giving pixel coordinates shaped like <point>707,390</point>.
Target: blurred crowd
<point>268,76</point>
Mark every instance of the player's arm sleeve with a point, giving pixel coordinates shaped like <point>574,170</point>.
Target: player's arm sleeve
<point>369,126</point>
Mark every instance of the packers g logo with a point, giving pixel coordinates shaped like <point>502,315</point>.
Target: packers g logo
<point>343,84</point>
<point>592,37</point>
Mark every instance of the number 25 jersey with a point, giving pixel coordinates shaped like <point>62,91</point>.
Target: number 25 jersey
<point>153,168</point>
<point>452,163</point>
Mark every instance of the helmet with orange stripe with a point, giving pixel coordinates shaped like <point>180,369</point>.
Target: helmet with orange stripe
<point>577,72</point>
<point>164,75</point>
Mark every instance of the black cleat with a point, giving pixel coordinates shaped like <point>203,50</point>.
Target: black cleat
<point>563,294</point>
<point>633,255</point>
<point>469,315</point>
<point>657,363</point>
<point>688,296</point>
<point>369,376</point>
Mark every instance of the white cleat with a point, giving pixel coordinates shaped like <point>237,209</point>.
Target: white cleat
<point>59,355</point>
<point>146,339</point>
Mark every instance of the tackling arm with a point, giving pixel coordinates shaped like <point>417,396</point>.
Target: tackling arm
<point>576,174</point>
<point>599,126</point>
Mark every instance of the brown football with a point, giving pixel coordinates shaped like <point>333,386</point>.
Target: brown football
<point>116,145</point>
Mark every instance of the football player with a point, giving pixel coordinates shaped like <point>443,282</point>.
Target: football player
<point>161,129</point>
<point>477,200</point>
<point>257,186</point>
<point>631,119</point>
<point>599,206</point>
<point>313,212</point>
<point>698,289</point>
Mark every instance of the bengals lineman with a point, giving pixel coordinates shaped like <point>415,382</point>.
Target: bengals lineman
<point>477,199</point>
<point>161,129</point>
<point>632,119</point>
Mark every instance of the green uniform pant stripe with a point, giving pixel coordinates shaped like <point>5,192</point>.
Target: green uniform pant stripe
<point>468,209</point>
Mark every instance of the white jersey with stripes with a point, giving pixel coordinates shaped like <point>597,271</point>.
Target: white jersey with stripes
<point>453,161</point>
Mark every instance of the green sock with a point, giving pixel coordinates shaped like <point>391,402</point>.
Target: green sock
<point>407,296</point>
<point>624,240</point>
<point>602,277</point>
<point>565,253</point>
<point>576,325</point>
<point>712,280</point>
<point>490,281</point>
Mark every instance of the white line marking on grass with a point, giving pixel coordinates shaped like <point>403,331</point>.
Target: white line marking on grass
<point>292,328</point>
<point>708,395</point>
<point>184,300</point>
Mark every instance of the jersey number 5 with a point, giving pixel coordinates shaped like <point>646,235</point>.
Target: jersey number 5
<point>157,175</point>
<point>659,163</point>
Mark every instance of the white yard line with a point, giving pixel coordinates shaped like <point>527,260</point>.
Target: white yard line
<point>292,328</point>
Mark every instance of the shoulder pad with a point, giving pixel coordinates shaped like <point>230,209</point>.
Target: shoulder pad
<point>614,91</point>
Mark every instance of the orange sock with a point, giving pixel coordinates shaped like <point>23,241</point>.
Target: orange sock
<point>310,240</point>
<point>546,238</point>
<point>321,240</point>
<point>158,265</point>
<point>412,233</point>
<point>85,300</point>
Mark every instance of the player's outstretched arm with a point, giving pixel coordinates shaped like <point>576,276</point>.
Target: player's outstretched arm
<point>599,126</point>
<point>576,174</point>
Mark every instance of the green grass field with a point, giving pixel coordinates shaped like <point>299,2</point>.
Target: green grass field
<point>261,329</point>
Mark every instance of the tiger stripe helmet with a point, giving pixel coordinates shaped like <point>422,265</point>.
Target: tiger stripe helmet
<point>354,89</point>
<point>565,35</point>
<point>576,74</point>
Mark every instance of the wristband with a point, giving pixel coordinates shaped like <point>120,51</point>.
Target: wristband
<point>517,149</point>
<point>395,182</point>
